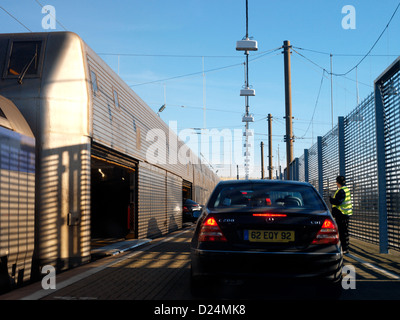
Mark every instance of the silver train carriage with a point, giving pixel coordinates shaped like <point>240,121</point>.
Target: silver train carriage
<point>99,173</point>
<point>17,196</point>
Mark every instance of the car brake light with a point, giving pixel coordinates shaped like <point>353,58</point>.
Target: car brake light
<point>269,215</point>
<point>210,222</point>
<point>328,234</point>
<point>210,231</point>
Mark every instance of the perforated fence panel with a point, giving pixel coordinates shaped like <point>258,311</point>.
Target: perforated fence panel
<point>313,165</point>
<point>362,147</point>
<point>390,92</point>
<point>330,163</point>
<point>302,176</point>
<point>361,170</point>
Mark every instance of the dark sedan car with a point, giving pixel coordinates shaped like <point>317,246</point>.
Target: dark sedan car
<point>270,229</point>
<point>191,210</point>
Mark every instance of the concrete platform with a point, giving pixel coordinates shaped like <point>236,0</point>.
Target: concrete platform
<point>117,247</point>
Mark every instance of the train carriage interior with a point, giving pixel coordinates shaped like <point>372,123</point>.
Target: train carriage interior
<point>112,202</point>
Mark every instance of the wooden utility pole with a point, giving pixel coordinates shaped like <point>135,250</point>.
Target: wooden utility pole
<point>288,108</point>
<point>262,160</point>
<point>270,146</point>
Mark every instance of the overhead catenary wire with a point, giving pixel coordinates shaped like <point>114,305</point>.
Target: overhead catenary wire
<point>324,70</point>
<point>363,57</point>
<point>373,46</point>
<point>62,26</point>
<point>316,104</point>
<point>204,71</point>
<point>12,16</point>
<point>16,19</point>
<point>187,75</point>
<point>165,55</point>
<point>328,72</point>
<point>344,54</point>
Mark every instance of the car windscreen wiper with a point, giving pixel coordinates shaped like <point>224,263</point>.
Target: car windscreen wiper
<point>25,69</point>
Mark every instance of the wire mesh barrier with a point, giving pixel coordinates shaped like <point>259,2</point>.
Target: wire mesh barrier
<point>361,169</point>
<point>389,90</point>
<point>313,166</point>
<point>302,169</point>
<point>330,162</point>
<point>365,148</point>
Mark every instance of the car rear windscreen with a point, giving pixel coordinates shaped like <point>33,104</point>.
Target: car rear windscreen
<point>265,196</point>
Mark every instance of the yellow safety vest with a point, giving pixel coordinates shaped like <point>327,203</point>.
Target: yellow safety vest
<point>346,207</point>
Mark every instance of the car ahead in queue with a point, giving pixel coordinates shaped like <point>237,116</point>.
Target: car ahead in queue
<point>191,210</point>
<point>269,229</point>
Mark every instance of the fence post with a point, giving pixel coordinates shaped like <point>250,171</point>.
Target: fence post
<point>320,176</point>
<point>381,170</point>
<point>296,169</point>
<point>342,164</point>
<point>306,165</point>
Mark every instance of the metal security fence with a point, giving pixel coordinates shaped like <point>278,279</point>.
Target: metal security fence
<point>330,162</point>
<point>361,169</point>
<point>313,166</point>
<point>387,88</point>
<point>302,168</point>
<point>365,148</point>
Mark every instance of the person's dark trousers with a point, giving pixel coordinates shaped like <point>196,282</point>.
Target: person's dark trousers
<point>342,221</point>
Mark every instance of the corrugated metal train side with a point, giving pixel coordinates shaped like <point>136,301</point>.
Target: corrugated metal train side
<point>122,121</point>
<point>96,173</point>
<point>17,196</point>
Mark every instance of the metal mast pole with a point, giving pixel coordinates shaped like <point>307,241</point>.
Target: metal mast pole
<point>247,45</point>
<point>247,114</point>
<point>204,96</point>
<point>247,98</point>
<point>331,93</point>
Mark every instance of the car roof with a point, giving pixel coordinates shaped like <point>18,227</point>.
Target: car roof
<point>190,201</point>
<point>270,182</point>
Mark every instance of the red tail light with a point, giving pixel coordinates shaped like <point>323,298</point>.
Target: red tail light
<point>210,231</point>
<point>269,215</point>
<point>328,234</point>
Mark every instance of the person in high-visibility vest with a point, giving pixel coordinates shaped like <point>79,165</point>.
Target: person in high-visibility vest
<point>342,209</point>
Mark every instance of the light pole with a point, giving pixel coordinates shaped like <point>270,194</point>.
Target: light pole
<point>161,109</point>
